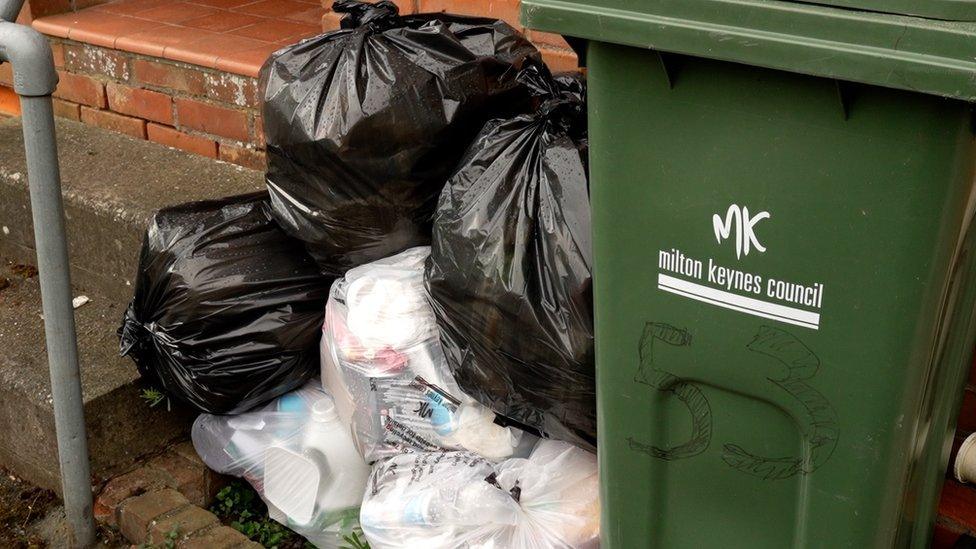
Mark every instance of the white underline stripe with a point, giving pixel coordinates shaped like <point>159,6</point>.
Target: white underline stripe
<point>740,309</point>
<point>739,303</point>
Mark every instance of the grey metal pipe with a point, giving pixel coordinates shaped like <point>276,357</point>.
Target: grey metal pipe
<point>29,53</point>
<point>34,81</point>
<point>59,321</point>
<point>9,9</point>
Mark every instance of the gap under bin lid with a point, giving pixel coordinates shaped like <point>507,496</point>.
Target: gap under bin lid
<point>948,10</point>
<point>896,51</point>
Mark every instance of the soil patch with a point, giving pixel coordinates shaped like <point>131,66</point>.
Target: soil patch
<point>22,505</point>
<point>24,271</point>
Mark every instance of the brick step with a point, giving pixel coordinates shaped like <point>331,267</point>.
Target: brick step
<point>957,513</point>
<point>180,74</point>
<point>112,185</point>
<point>204,111</point>
<point>184,74</point>
<point>164,503</point>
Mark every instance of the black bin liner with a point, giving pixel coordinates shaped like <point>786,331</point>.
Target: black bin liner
<point>509,271</point>
<point>228,309</point>
<point>365,124</point>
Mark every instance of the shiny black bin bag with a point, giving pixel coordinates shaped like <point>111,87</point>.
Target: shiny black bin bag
<point>365,124</point>
<point>228,309</point>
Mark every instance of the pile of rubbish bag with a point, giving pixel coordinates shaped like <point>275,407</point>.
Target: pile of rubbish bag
<point>395,341</point>
<point>300,458</point>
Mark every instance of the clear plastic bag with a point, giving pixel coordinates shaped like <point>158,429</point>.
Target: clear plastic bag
<point>299,457</point>
<point>460,500</point>
<point>382,359</point>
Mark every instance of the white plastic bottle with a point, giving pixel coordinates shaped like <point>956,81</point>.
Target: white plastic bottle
<point>327,477</point>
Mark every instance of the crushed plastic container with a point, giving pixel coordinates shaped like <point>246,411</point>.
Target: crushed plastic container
<point>299,457</point>
<point>382,359</point>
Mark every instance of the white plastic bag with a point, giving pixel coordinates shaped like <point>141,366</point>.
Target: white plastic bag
<point>461,500</point>
<point>382,359</point>
<point>299,457</point>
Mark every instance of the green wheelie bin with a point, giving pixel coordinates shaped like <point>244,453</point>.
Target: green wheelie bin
<point>784,276</point>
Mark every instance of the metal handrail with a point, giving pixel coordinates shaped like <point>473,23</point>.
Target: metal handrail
<point>35,79</point>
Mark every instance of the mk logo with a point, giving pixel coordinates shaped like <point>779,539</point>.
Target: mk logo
<point>745,235</point>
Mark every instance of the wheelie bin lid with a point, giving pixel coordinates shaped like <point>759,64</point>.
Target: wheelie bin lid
<point>892,43</point>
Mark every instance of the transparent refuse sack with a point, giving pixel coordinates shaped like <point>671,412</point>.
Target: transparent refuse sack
<point>382,359</point>
<point>365,124</point>
<point>549,500</point>
<point>299,457</point>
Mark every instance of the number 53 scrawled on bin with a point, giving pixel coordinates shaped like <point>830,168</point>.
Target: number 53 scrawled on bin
<point>816,419</point>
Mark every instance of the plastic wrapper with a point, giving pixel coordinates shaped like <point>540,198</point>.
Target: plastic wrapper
<point>298,456</point>
<point>382,359</point>
<point>227,307</point>
<point>509,271</point>
<point>549,500</point>
<point>365,124</point>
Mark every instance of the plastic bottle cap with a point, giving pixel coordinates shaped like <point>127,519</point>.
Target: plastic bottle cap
<point>324,410</point>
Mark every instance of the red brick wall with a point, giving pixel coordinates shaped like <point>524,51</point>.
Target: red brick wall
<point>199,110</point>
<point>204,111</point>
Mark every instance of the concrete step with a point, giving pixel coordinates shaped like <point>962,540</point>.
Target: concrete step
<point>112,184</point>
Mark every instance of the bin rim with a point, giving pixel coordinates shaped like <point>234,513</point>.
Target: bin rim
<point>896,51</point>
